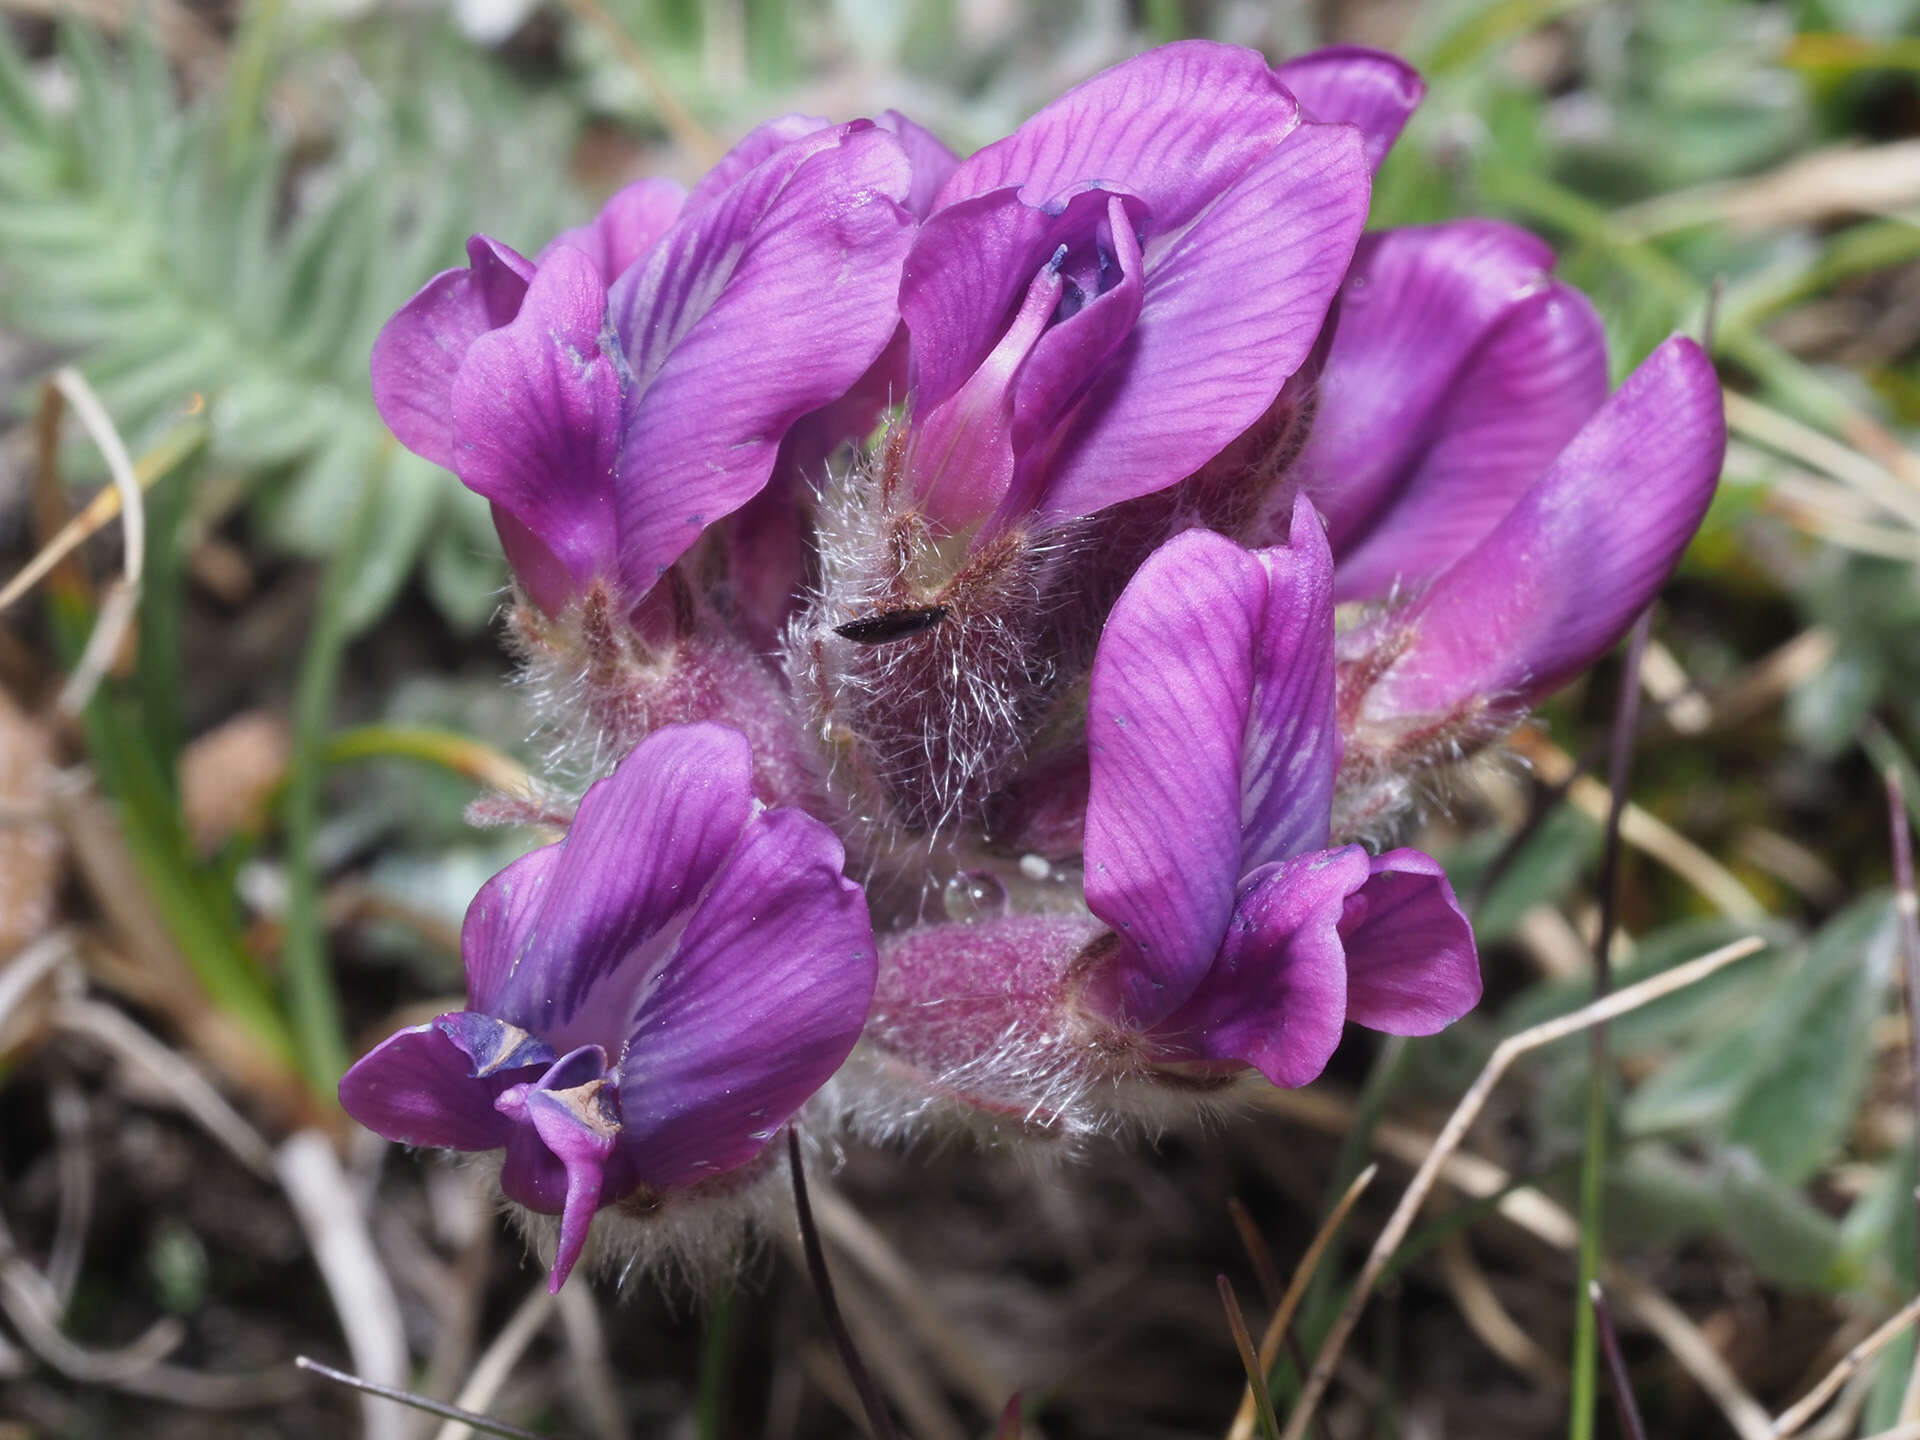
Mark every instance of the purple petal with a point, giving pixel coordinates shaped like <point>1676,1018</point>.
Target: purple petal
<point>1071,355</point>
<point>1233,307</point>
<point>766,547</point>
<point>760,143</point>
<point>625,229</point>
<point>1276,997</point>
<point>1171,687</point>
<point>1583,552</point>
<point>1211,700</point>
<point>417,1087</point>
<point>767,303</point>
<point>500,921</point>
<point>961,460</point>
<point>1352,85</point>
<point>1292,748</point>
<point>608,907</point>
<point>536,417</point>
<point>851,419</point>
<point>968,275</point>
<point>933,163</point>
<point>418,352</point>
<point>1535,380</point>
<point>1411,964</point>
<point>758,1006</point>
<point>577,1131</point>
<point>1175,126</point>
<point>1459,369</point>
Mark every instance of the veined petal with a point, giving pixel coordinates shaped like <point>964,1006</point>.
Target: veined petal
<point>1291,753</point>
<point>579,1131</point>
<point>633,218</point>
<point>1275,997</point>
<point>1411,964</point>
<point>1352,85</point>
<point>760,143</point>
<point>1536,378</point>
<point>961,459</point>
<point>1171,687</point>
<point>419,351</point>
<point>968,275</point>
<point>1070,356</point>
<point>932,161</point>
<point>1459,369</point>
<point>417,1087</point>
<point>1583,552</point>
<point>754,309</point>
<point>1212,743</point>
<point>758,1005</point>
<point>1175,126</point>
<point>1233,306</point>
<point>536,418</point>
<point>588,927</point>
<point>500,921</point>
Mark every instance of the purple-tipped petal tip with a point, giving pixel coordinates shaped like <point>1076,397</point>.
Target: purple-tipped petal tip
<point>1561,577</point>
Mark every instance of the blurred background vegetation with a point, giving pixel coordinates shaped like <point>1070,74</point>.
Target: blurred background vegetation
<point>237,856</point>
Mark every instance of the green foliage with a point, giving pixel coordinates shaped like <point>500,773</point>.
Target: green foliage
<point>136,228</point>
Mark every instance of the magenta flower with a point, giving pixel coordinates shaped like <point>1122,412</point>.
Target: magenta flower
<point>1509,518</point>
<point>1104,299</point>
<point>1231,935</point>
<point>649,1000</point>
<point>633,386</point>
<point>1242,936</point>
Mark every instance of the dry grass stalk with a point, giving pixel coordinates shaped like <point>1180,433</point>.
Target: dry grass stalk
<point>415,1401</point>
<point>1839,181</point>
<point>369,1312</point>
<point>1796,1416</point>
<point>1868,475</point>
<point>962,1364</point>
<point>146,967</point>
<point>115,617</point>
<point>1256,1372</point>
<point>100,511</point>
<point>1512,1048</point>
<point>680,122</point>
<point>132,1046</point>
<point>1474,1297</point>
<point>1651,836</point>
<point>592,1370</point>
<point>497,1361</point>
<point>1530,1211</point>
<point>1276,1331</point>
<point>1670,687</point>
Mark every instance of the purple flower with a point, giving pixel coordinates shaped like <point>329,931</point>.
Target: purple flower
<point>649,1000</point>
<point>1242,937</point>
<point>1480,486</point>
<point>1104,299</point>
<point>1233,936</point>
<point>634,385</point>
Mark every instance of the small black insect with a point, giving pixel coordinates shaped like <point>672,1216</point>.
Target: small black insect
<point>891,625</point>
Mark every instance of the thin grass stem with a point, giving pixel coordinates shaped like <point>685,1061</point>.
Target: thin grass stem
<point>1584,1391</point>
<point>878,1416</point>
<point>419,1402</point>
<point>1623,1400</point>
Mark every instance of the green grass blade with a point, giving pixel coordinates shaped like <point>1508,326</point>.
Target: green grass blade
<point>313,1005</point>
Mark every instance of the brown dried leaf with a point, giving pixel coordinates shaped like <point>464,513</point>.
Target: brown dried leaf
<point>228,777</point>
<point>30,848</point>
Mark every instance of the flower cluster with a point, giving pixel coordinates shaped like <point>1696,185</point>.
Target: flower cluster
<point>1091,547</point>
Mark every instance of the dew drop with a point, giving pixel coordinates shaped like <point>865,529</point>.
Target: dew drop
<point>973,896</point>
